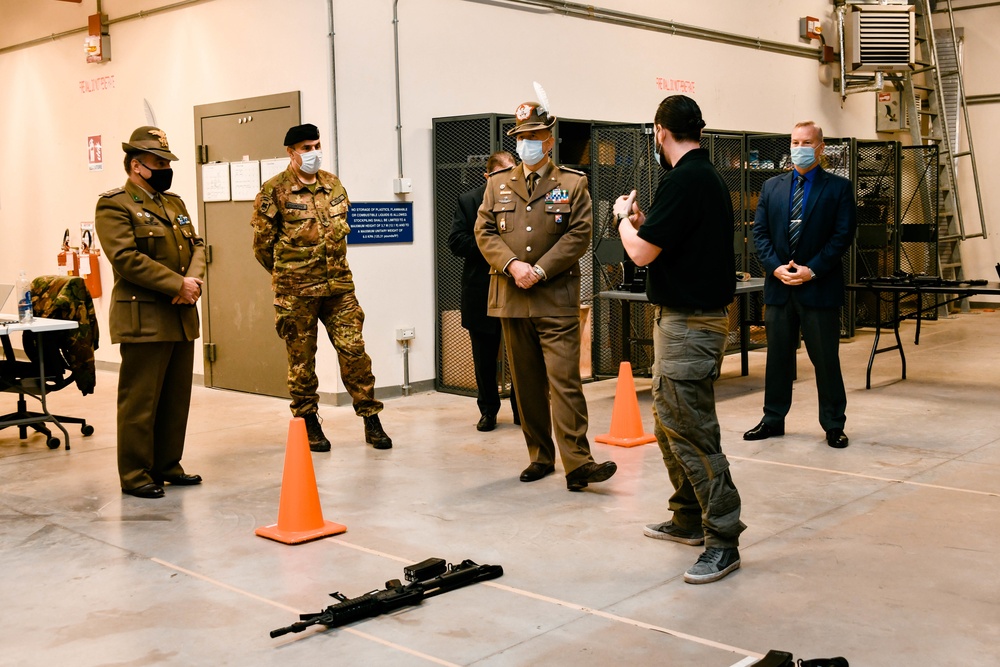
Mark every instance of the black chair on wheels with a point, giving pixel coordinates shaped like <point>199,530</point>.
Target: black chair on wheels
<point>68,357</point>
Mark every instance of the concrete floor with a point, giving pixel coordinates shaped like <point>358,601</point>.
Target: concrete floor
<point>886,553</point>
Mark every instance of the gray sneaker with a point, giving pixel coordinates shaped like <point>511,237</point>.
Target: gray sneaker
<point>712,565</point>
<point>668,531</point>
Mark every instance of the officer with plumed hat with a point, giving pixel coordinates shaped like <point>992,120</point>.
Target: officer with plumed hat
<point>159,268</point>
<point>533,227</point>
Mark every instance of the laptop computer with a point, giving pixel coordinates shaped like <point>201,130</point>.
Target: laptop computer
<point>5,291</point>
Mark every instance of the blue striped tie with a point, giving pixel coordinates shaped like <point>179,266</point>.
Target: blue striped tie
<point>795,223</point>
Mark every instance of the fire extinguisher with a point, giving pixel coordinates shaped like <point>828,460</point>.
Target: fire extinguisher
<point>90,263</point>
<point>68,261</point>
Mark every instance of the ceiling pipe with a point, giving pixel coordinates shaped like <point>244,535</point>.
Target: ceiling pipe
<point>130,17</point>
<point>669,27</point>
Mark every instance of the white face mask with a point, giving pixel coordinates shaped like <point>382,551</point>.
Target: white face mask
<point>530,151</point>
<point>311,161</point>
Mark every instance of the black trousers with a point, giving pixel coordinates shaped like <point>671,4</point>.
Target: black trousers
<point>485,348</point>
<point>820,328</point>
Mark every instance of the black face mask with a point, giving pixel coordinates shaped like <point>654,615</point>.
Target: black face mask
<point>160,179</point>
<point>662,159</point>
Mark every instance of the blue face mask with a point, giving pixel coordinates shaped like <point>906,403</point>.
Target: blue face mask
<point>530,151</point>
<point>803,157</point>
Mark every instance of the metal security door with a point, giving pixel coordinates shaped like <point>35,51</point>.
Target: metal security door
<point>242,350</point>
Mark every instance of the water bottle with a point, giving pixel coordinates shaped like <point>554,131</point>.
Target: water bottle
<point>24,311</point>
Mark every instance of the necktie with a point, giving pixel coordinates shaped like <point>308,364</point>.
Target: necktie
<point>532,179</point>
<point>795,223</point>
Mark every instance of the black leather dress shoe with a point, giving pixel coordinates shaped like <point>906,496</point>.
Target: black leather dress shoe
<point>536,471</point>
<point>590,472</point>
<point>151,490</point>
<point>487,423</point>
<point>835,437</point>
<point>763,431</point>
<point>180,480</point>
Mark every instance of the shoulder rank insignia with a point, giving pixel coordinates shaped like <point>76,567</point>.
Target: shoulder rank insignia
<point>557,196</point>
<point>572,171</point>
<point>113,192</point>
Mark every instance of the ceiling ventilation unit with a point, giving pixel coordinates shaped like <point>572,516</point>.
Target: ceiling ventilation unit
<point>879,38</point>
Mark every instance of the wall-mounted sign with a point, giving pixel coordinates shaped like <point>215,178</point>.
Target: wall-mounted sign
<point>95,153</point>
<point>380,222</point>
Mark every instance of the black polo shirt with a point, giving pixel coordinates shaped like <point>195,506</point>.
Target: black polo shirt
<point>691,220</point>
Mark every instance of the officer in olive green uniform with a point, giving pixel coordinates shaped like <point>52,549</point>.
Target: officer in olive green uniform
<point>300,236</point>
<point>533,243</point>
<point>159,265</point>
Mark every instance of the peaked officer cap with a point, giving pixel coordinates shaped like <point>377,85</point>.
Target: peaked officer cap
<point>307,132</point>
<point>531,116</point>
<point>150,140</point>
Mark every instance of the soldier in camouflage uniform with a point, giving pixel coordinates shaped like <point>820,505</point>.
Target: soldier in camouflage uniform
<point>300,236</point>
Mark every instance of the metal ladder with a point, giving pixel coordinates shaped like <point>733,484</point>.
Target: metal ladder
<point>928,92</point>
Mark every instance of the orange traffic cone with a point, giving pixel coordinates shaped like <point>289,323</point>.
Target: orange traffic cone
<point>626,423</point>
<point>300,517</point>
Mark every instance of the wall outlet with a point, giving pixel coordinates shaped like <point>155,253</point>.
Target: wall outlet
<point>406,333</point>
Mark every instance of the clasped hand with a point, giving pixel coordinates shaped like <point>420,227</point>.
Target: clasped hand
<point>523,274</point>
<point>793,274</point>
<point>627,206</point>
<point>190,292</point>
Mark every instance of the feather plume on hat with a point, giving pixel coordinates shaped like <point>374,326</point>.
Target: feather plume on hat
<point>543,99</point>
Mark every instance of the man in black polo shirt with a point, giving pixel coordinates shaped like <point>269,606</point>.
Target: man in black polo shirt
<point>687,242</point>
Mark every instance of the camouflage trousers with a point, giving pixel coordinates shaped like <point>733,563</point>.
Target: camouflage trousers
<point>297,321</point>
<point>688,346</point>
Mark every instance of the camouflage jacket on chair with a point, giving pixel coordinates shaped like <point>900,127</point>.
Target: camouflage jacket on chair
<point>66,298</point>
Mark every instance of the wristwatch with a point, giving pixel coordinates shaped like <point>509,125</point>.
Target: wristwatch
<point>623,216</point>
<point>539,272</point>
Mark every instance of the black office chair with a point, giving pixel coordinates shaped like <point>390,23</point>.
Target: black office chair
<point>68,355</point>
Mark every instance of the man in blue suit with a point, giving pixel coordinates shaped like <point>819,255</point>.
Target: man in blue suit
<point>804,224</point>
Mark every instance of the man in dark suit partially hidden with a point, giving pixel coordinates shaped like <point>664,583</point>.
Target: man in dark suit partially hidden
<point>484,331</point>
<point>805,223</point>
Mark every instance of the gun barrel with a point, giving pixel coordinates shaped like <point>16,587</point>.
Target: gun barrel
<point>298,626</point>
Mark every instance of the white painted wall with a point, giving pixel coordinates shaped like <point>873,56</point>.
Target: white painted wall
<point>456,57</point>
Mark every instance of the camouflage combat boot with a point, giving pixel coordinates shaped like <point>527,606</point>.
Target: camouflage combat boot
<point>317,441</point>
<point>374,435</point>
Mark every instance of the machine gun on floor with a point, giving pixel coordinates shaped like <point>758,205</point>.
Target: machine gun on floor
<point>427,579</point>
